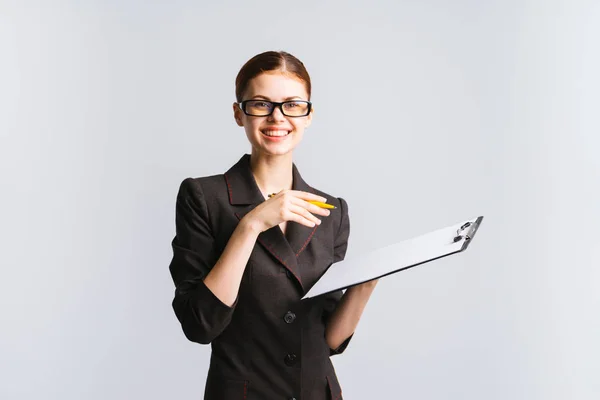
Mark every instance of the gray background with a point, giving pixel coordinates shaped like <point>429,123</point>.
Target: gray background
<point>427,113</point>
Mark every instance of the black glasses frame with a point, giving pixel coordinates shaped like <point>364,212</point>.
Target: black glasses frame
<point>275,104</point>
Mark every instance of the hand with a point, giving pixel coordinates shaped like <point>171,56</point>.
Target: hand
<point>287,205</point>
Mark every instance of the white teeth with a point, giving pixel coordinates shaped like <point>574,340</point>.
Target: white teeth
<point>275,133</point>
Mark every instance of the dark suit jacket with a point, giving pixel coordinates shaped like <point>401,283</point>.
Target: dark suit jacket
<point>268,344</point>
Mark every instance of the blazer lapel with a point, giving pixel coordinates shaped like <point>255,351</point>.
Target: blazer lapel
<point>298,235</point>
<point>245,195</point>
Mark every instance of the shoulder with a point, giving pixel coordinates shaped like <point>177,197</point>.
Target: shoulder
<point>338,202</point>
<point>340,213</point>
<point>341,223</point>
<point>205,183</point>
<point>204,189</point>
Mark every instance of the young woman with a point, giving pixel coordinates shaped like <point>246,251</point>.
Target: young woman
<point>242,260</point>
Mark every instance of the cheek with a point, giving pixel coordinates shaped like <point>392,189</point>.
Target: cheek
<point>299,127</point>
<point>251,126</point>
<point>298,135</point>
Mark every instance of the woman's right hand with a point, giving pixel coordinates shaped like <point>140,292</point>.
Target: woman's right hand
<point>287,205</point>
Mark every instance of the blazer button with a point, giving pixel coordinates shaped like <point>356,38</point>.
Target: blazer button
<point>290,359</point>
<point>289,317</point>
<point>289,274</point>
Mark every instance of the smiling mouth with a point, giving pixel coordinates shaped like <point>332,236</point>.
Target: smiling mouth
<point>278,133</point>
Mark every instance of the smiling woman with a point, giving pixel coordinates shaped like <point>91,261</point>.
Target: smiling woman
<point>242,259</point>
<point>273,105</point>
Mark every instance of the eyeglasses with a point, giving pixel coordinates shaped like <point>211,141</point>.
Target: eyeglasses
<point>263,108</point>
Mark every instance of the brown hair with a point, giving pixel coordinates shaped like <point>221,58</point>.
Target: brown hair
<point>270,61</point>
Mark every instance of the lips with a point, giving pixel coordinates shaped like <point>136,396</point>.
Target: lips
<point>275,132</point>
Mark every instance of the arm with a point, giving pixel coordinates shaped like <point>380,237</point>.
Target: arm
<point>344,320</point>
<point>225,277</point>
<point>206,287</point>
<point>342,313</point>
<point>207,284</point>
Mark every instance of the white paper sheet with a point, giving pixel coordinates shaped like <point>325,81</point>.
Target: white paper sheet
<point>395,257</point>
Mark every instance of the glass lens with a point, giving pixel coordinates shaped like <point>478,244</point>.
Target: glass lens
<point>258,107</point>
<point>295,108</point>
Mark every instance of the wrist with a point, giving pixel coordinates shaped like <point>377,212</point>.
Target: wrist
<point>250,225</point>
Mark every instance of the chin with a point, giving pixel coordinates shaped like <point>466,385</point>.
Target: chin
<point>274,148</point>
<point>275,152</point>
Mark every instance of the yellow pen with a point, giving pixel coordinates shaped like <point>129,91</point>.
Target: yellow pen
<point>316,203</point>
<point>322,205</point>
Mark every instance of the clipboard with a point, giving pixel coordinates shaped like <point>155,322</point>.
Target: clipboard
<point>396,257</point>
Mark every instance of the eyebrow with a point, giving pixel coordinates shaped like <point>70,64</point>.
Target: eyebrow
<point>286,99</point>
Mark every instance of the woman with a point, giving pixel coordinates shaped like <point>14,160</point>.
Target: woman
<point>242,260</point>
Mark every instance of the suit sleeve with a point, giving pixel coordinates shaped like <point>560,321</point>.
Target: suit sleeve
<point>339,252</point>
<point>201,314</point>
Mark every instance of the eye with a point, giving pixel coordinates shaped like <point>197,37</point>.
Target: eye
<point>260,104</point>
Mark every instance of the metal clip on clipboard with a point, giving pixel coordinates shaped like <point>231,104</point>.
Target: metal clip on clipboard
<point>469,233</point>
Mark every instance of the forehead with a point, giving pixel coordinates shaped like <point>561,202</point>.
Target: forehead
<point>276,86</point>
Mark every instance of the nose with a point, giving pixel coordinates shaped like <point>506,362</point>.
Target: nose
<point>277,115</point>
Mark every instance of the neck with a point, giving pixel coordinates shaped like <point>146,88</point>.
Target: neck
<point>272,173</point>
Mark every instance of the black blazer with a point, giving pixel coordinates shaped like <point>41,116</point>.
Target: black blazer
<point>268,344</point>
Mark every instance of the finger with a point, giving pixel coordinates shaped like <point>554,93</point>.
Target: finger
<point>312,208</point>
<point>307,196</point>
<point>304,213</point>
<point>301,220</point>
<point>289,215</point>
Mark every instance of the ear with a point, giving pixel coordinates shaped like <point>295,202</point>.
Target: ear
<point>237,114</point>
<point>309,118</point>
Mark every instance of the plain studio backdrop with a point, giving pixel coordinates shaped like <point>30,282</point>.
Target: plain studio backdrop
<point>427,113</point>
